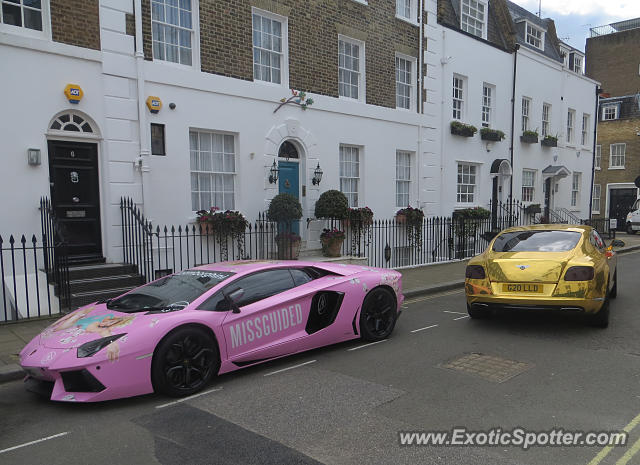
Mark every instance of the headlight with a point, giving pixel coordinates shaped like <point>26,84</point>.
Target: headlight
<point>90,348</point>
<point>579,273</point>
<point>474,272</point>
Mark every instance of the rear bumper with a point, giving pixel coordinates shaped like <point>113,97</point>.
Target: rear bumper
<point>536,303</point>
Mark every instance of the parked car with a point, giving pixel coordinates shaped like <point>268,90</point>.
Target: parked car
<point>555,266</point>
<point>175,334</point>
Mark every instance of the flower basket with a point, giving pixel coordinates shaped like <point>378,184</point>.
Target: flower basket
<point>222,223</point>
<point>362,217</point>
<point>331,240</point>
<point>461,129</point>
<point>491,134</point>
<point>401,218</point>
<point>533,209</point>
<point>549,141</point>
<point>529,137</point>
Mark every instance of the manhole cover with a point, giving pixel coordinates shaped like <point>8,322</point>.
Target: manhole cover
<point>494,369</point>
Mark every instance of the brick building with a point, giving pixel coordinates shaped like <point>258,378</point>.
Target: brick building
<point>613,53</point>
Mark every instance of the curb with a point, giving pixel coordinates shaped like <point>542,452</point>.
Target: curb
<point>628,249</point>
<point>433,289</point>
<point>11,372</point>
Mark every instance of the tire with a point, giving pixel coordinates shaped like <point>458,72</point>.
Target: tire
<point>184,362</point>
<point>601,319</point>
<point>478,313</point>
<point>613,293</point>
<point>630,230</point>
<point>379,314</point>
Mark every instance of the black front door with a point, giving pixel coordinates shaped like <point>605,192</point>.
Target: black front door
<point>620,203</point>
<point>75,196</point>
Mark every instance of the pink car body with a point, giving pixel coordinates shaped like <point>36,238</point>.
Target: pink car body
<point>270,328</point>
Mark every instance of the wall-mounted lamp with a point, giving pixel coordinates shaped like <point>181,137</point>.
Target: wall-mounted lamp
<point>387,253</point>
<point>33,157</point>
<point>273,173</point>
<point>317,175</point>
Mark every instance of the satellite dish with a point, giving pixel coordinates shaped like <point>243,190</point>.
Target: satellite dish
<point>637,181</point>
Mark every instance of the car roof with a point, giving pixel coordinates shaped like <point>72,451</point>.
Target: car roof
<point>581,228</point>
<point>242,267</point>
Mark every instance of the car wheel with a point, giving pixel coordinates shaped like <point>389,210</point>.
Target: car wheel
<point>478,313</point>
<point>613,293</point>
<point>630,230</point>
<point>184,362</point>
<point>601,319</point>
<point>378,315</point>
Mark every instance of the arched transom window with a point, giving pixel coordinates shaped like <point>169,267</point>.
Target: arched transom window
<point>71,122</point>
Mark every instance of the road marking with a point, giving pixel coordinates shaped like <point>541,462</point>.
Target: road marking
<point>434,296</point>
<point>34,442</point>
<point>291,368</point>
<point>366,345</point>
<point>604,452</point>
<point>461,317</point>
<point>457,313</point>
<point>184,399</point>
<point>421,329</point>
<point>629,454</point>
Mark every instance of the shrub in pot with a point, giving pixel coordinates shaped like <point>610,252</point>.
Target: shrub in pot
<point>288,245</point>
<point>332,204</point>
<point>285,209</point>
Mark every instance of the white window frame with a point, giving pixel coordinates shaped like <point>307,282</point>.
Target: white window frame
<point>575,189</point>
<point>284,54</point>
<point>195,38</point>
<point>577,59</point>
<point>529,189</point>
<point>403,176</point>
<point>458,97</point>
<point>586,118</point>
<point>596,198</point>
<point>530,37</point>
<point>45,13</point>
<point>462,187</point>
<point>526,113</point>
<point>467,20</point>
<point>413,11</point>
<point>605,114</point>
<point>622,156</point>
<point>571,125</point>
<point>353,195</point>
<point>200,171</point>
<point>362,78</point>
<point>546,119</point>
<point>412,84</point>
<point>488,98</point>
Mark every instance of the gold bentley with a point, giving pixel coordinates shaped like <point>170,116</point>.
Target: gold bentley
<point>563,267</point>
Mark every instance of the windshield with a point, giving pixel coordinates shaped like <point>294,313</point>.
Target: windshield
<point>174,291</point>
<point>536,241</point>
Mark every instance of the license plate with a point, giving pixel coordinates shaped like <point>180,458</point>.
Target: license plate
<point>523,288</point>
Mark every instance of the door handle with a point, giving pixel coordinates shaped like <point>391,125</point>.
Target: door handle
<point>75,199</point>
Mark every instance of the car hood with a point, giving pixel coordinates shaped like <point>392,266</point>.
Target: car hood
<point>544,267</point>
<point>93,322</point>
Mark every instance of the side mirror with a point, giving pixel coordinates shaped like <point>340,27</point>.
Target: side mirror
<point>617,243</point>
<point>232,298</point>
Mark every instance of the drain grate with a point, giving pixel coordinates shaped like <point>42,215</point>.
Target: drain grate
<point>494,369</point>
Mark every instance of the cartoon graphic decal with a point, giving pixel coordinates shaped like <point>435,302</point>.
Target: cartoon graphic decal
<point>154,322</point>
<point>50,356</point>
<point>69,398</point>
<point>391,280</point>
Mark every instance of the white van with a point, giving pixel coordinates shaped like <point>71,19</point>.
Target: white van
<point>633,218</point>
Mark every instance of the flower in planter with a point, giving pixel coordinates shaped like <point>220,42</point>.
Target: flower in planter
<point>227,223</point>
<point>361,216</point>
<point>461,129</point>
<point>332,234</point>
<point>410,215</point>
<point>491,134</point>
<point>550,141</point>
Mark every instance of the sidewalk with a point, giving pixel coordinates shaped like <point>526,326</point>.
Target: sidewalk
<point>415,281</point>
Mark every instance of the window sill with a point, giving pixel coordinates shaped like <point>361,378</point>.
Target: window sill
<point>616,167</point>
<point>270,84</point>
<point>413,22</point>
<point>349,99</point>
<point>362,2</point>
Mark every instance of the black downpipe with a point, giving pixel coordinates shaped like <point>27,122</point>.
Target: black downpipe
<point>513,116</point>
<point>593,160</point>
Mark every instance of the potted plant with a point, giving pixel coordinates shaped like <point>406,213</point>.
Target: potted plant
<point>411,218</point>
<point>549,141</point>
<point>332,240</point>
<point>491,134</point>
<point>285,209</point>
<point>529,137</point>
<point>204,220</point>
<point>222,223</point>
<point>360,217</point>
<point>332,205</point>
<point>461,129</point>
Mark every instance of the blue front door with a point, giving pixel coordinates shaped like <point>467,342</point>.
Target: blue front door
<point>289,183</point>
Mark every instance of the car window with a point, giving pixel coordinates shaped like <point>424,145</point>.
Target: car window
<point>536,241</point>
<point>300,277</point>
<point>255,287</point>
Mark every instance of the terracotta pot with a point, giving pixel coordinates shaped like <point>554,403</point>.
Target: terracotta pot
<point>331,247</point>
<point>401,218</point>
<point>288,250</point>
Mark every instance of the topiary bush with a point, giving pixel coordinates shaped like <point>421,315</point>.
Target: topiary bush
<point>332,204</point>
<point>284,208</point>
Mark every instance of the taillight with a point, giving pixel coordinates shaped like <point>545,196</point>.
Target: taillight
<point>474,272</point>
<point>579,273</point>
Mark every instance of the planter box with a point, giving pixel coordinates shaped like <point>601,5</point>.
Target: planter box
<point>527,139</point>
<point>331,247</point>
<point>549,142</point>
<point>464,132</point>
<point>492,136</point>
